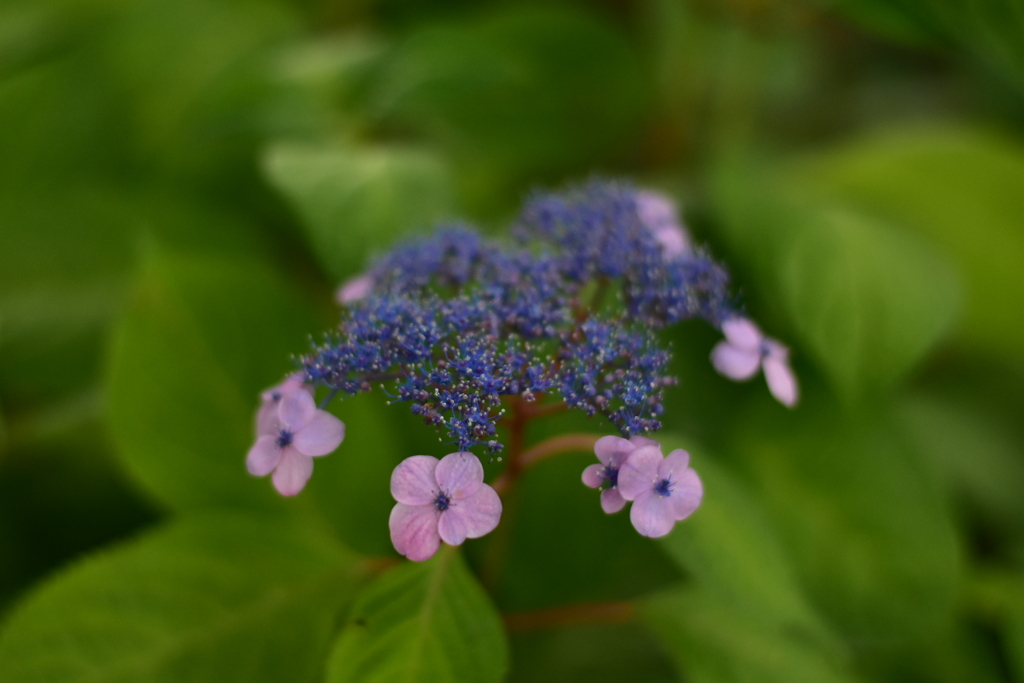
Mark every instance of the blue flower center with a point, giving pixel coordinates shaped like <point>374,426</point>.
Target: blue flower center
<point>442,501</point>
<point>611,475</point>
<point>275,396</point>
<point>284,438</point>
<point>664,487</point>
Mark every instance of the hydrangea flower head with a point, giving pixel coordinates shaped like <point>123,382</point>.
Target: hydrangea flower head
<point>612,451</point>
<point>664,490</point>
<point>440,500</point>
<point>288,443</point>
<point>746,349</point>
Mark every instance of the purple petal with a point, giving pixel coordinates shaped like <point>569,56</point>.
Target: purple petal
<point>296,409</point>
<point>612,450</point>
<point>675,462</point>
<point>655,209</point>
<point>735,363</point>
<point>652,515</point>
<point>413,482</point>
<point>459,475</point>
<point>612,501</point>
<point>414,530</point>
<point>470,517</point>
<point>593,476</point>
<point>353,290</point>
<point>639,441</point>
<point>639,472</point>
<point>781,381</point>
<point>321,435</point>
<point>686,495</point>
<point>263,456</point>
<point>672,240</point>
<point>742,333</point>
<point>292,472</point>
<point>266,418</point>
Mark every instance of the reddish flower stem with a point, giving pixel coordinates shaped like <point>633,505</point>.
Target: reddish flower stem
<point>571,615</point>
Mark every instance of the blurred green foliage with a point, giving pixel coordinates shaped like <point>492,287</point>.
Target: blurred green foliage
<point>182,185</point>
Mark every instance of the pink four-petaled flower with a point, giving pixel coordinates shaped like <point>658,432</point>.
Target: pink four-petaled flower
<point>664,490</point>
<point>612,451</point>
<point>290,439</point>
<point>444,500</point>
<point>266,416</point>
<point>746,349</point>
<point>353,290</point>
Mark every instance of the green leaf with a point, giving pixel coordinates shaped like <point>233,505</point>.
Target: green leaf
<point>202,339</point>
<point>429,622</point>
<point>208,598</point>
<point>963,190</point>
<point>867,298</point>
<point>733,552</point>
<point>870,537</point>
<point>713,642</point>
<point>352,201</point>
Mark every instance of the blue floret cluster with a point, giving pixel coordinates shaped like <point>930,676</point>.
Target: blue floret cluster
<point>455,323</point>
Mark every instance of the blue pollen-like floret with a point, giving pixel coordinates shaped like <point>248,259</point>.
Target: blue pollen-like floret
<point>457,322</point>
<point>442,501</point>
<point>664,488</point>
<point>284,438</point>
<point>611,475</point>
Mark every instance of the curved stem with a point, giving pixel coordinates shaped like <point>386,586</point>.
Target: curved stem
<point>564,443</point>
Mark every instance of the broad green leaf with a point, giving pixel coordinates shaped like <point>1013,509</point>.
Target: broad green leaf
<point>207,598</point>
<point>203,337</point>
<point>712,642</point>
<point>429,622</point>
<point>961,188</point>
<point>354,200</point>
<point>516,91</point>
<point>870,538</point>
<point>868,299</point>
<point>730,548</point>
<point>972,454</point>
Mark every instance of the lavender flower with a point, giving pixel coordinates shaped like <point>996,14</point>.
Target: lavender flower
<point>288,443</point>
<point>664,490</point>
<point>266,414</point>
<point>438,501</point>
<point>746,349</point>
<point>612,451</point>
<point>660,215</point>
<point>354,290</point>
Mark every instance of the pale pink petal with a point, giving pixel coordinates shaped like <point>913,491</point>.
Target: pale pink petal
<point>612,450</point>
<point>672,240</point>
<point>353,290</point>
<point>612,501</point>
<point>675,462</point>
<point>735,363</point>
<point>593,476</point>
<point>263,456</point>
<point>292,472</point>
<point>686,494</point>
<point>781,381</point>
<point>743,333</point>
<point>652,515</point>
<point>266,418</point>
<point>655,209</point>
<point>639,472</point>
<point>413,482</point>
<point>296,409</point>
<point>321,435</point>
<point>414,531</point>
<point>470,517</point>
<point>639,441</point>
<point>459,474</point>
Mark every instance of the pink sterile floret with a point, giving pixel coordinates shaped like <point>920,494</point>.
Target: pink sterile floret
<point>266,415</point>
<point>444,500</point>
<point>745,349</point>
<point>353,290</point>
<point>664,490</point>
<point>612,451</point>
<point>659,214</point>
<point>289,442</point>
